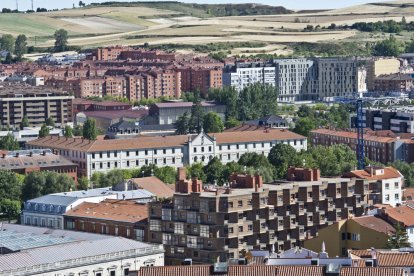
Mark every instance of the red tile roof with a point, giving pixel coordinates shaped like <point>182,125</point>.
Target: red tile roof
<point>155,186</point>
<point>389,172</point>
<point>144,142</point>
<point>395,259</point>
<point>368,136</point>
<point>371,271</point>
<point>111,209</point>
<point>408,194</point>
<point>403,214</point>
<point>375,223</point>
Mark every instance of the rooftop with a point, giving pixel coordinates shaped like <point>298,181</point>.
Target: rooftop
<point>144,142</point>
<point>116,114</point>
<point>403,214</point>
<point>35,158</point>
<point>183,104</point>
<point>116,210</point>
<point>375,223</point>
<point>84,248</point>
<point>23,91</point>
<point>154,185</point>
<point>388,172</point>
<point>369,136</point>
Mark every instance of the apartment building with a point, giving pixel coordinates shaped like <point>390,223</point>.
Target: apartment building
<point>397,119</point>
<point>403,215</point>
<point>394,82</point>
<point>337,77</point>
<point>296,80</point>
<point>109,53</point>
<point>200,79</point>
<point>242,75</point>
<point>299,79</point>
<point>175,151</point>
<point>168,113</point>
<point>377,147</point>
<point>223,222</point>
<point>380,66</point>
<point>37,104</point>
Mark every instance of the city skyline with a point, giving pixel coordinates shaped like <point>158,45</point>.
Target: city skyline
<point>319,4</point>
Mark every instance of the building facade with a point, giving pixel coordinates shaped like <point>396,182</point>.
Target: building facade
<point>175,151</point>
<point>204,224</point>
<point>380,66</point>
<point>400,120</point>
<point>17,102</point>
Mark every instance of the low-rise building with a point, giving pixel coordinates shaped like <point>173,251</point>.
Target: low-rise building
<point>404,215</point>
<point>377,147</point>
<point>36,251</point>
<point>168,113</point>
<point>352,233</point>
<point>114,217</point>
<point>27,161</point>
<point>394,83</point>
<point>380,66</point>
<point>176,151</point>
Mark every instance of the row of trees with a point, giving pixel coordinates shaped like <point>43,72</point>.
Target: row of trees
<point>17,45</point>
<point>392,47</point>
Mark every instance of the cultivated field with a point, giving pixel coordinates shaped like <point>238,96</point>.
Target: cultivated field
<point>100,26</point>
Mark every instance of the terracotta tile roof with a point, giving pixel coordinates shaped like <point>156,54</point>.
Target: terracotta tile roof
<point>199,270</point>
<point>254,270</point>
<point>300,270</point>
<point>395,259</point>
<point>359,262</point>
<point>371,271</point>
<point>111,209</point>
<point>403,214</point>
<point>144,142</point>
<point>408,194</point>
<point>389,172</point>
<point>361,253</point>
<point>245,128</point>
<point>183,104</point>
<point>154,185</point>
<point>375,223</point>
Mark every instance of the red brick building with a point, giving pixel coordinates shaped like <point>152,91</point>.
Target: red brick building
<point>114,217</point>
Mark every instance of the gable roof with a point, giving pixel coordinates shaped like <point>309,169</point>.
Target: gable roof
<point>116,210</point>
<point>154,185</point>
<point>375,223</point>
<point>395,259</point>
<point>403,214</point>
<point>389,172</point>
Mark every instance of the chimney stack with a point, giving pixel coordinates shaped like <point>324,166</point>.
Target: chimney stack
<point>3,155</point>
<point>371,170</point>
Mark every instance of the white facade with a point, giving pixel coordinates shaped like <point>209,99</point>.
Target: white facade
<point>391,191</point>
<point>249,74</point>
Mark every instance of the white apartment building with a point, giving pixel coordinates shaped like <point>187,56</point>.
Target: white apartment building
<point>42,252</point>
<point>245,74</point>
<point>176,151</point>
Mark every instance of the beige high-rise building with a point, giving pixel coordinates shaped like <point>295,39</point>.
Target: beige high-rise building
<point>380,66</point>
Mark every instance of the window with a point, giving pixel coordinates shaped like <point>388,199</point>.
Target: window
<point>240,228</point>
<point>397,196</point>
<point>387,186</point>
<point>387,197</point>
<point>204,231</point>
<point>231,231</point>
<point>112,273</point>
<point>396,185</point>
<point>240,203</point>
<point>250,227</point>
<point>178,228</point>
<point>164,151</point>
<point>146,152</point>
<point>126,271</point>
<point>155,151</point>
<point>195,149</point>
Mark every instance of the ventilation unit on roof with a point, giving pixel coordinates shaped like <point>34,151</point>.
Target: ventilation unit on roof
<point>220,268</point>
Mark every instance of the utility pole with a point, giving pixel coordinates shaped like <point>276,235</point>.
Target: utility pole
<point>32,6</point>
<point>17,5</point>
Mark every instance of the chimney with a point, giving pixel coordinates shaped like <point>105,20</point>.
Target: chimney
<point>3,155</point>
<point>182,173</point>
<point>31,153</point>
<point>371,171</point>
<point>17,154</point>
<point>44,153</point>
<point>256,188</point>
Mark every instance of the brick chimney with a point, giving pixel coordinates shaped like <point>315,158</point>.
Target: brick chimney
<point>316,174</point>
<point>17,154</point>
<point>259,180</point>
<point>196,185</point>
<point>182,175</point>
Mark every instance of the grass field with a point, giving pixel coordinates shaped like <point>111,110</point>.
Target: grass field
<point>156,25</point>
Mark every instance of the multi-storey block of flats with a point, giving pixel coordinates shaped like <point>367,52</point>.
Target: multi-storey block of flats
<point>206,223</point>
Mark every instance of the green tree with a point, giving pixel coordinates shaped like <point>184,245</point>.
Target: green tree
<point>37,184</point>
<point>409,47</point>
<point>50,122</point>
<point>83,183</point>
<point>181,125</point>
<point>11,208</point>
<point>112,178</point>
<point>214,172</point>
<point>282,156</point>
<point>388,47</point>
<point>304,125</point>
<point>61,40</point>
<point>10,185</point>
<point>232,122</point>
<point>8,142</point>
<point>399,239</point>
<point>89,130</point>
<point>8,59</point>
<point>68,132</point>
<point>7,43</point>
<point>20,47</point>
<point>212,123</point>
<point>24,123</point>
<point>196,170</point>
<point>77,131</point>
<point>166,174</point>
<point>227,96</point>
<point>258,164</point>
<point>96,179</point>
<point>406,169</point>
<point>44,131</point>
<point>196,118</point>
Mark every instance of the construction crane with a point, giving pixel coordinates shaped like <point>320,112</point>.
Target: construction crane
<point>360,132</point>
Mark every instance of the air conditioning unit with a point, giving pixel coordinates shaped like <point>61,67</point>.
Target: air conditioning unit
<point>315,262</point>
<point>188,262</point>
